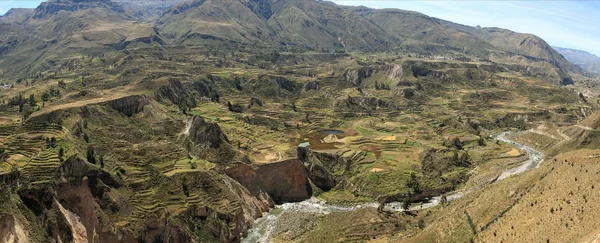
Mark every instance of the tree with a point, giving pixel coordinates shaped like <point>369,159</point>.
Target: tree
<point>45,96</point>
<point>90,155</point>
<point>101,162</point>
<point>457,143</point>
<point>414,184</point>
<point>443,200</point>
<point>61,153</point>
<point>406,203</point>
<point>62,84</point>
<point>481,142</point>
<point>184,187</point>
<point>32,102</point>
<point>86,138</point>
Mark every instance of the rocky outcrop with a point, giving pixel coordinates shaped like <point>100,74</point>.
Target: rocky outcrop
<point>206,140</point>
<point>176,93</point>
<point>55,6</point>
<point>11,230</point>
<point>206,133</point>
<point>356,76</point>
<point>358,105</point>
<point>247,177</point>
<point>324,169</point>
<point>130,105</point>
<point>312,85</point>
<point>229,208</point>
<point>261,8</point>
<point>254,101</point>
<point>285,181</point>
<point>271,86</point>
<point>86,205</point>
<point>185,95</point>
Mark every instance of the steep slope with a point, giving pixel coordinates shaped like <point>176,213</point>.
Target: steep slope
<point>192,23</point>
<point>423,34</point>
<point>328,26</point>
<point>431,36</point>
<point>589,62</point>
<point>147,11</point>
<point>17,15</point>
<point>516,43</point>
<point>67,28</point>
<point>292,24</point>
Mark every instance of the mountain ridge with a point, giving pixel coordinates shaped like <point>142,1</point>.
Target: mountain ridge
<point>589,62</point>
<point>284,25</point>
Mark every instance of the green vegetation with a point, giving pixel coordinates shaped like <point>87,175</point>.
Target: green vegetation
<point>157,112</point>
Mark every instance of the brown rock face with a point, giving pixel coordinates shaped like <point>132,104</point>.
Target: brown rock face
<point>11,230</point>
<point>130,105</point>
<point>202,132</point>
<point>285,181</point>
<point>247,177</point>
<point>323,167</point>
<point>79,200</point>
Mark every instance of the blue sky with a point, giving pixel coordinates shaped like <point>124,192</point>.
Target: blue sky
<point>7,5</point>
<point>560,23</point>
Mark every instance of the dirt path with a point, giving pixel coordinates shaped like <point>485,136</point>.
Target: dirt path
<point>585,128</point>
<point>567,138</point>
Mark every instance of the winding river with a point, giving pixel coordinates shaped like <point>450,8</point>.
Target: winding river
<point>264,227</point>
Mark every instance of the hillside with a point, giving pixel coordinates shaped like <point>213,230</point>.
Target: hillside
<point>257,25</point>
<point>280,121</point>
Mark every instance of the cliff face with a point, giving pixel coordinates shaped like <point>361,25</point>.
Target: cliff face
<point>357,76</point>
<point>86,205</point>
<point>323,168</point>
<point>202,132</point>
<point>130,105</point>
<point>11,230</point>
<point>285,181</point>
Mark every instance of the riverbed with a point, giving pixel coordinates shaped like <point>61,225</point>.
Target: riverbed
<point>263,228</point>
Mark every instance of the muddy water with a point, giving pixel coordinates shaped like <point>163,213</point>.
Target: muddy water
<point>264,227</point>
<point>315,139</point>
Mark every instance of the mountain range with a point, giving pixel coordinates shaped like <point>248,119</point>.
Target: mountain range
<point>289,121</point>
<point>589,62</point>
<point>39,38</point>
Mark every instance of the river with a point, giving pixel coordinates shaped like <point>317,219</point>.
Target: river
<point>264,227</point>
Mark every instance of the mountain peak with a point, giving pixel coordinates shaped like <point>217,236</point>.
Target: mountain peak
<point>54,6</point>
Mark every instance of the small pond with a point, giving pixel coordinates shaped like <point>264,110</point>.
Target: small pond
<point>331,131</point>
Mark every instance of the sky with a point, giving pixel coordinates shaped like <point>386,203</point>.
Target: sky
<point>568,24</point>
<point>7,5</point>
